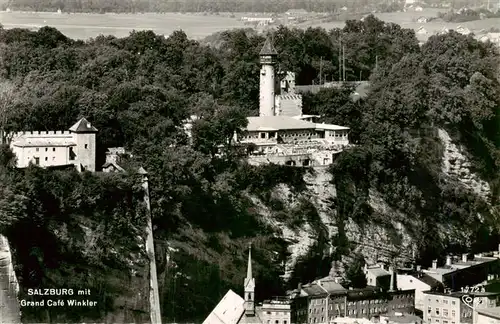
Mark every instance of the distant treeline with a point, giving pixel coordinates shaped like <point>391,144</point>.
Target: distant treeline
<point>131,6</point>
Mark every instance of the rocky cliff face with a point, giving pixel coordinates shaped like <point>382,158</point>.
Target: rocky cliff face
<point>9,287</point>
<point>387,235</point>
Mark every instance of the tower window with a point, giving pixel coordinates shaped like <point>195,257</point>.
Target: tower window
<point>86,146</point>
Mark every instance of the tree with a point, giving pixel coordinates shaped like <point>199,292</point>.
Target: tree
<point>7,96</point>
<point>355,276</point>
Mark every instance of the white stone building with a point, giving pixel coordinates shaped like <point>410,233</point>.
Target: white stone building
<point>281,134</point>
<point>76,146</point>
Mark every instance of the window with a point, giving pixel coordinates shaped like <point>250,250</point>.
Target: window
<point>445,301</point>
<point>72,154</point>
<point>37,149</point>
<point>277,322</point>
<point>37,160</point>
<point>453,302</point>
<point>53,149</point>
<point>437,311</point>
<point>46,158</point>
<point>46,149</point>
<point>86,146</point>
<point>429,309</point>
<point>452,313</point>
<point>262,135</point>
<point>445,312</point>
<point>284,322</point>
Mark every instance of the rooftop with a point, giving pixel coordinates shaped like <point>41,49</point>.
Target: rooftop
<point>277,123</point>
<point>378,271</point>
<point>330,285</point>
<point>227,311</point>
<point>330,127</point>
<point>83,126</point>
<point>490,312</point>
<point>268,48</point>
<point>458,265</point>
<point>313,290</point>
<point>459,294</point>
<point>46,142</point>
<point>425,278</point>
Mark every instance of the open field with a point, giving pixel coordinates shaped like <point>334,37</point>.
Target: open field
<point>84,26</point>
<point>197,26</point>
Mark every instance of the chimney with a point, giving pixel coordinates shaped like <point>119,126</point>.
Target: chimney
<point>419,268</point>
<point>448,260</point>
<point>299,287</point>
<point>434,264</point>
<point>464,257</point>
<point>88,125</point>
<point>393,284</point>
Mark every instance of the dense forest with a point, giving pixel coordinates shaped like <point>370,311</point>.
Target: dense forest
<point>138,90</point>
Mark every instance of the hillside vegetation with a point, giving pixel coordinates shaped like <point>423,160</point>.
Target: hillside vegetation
<point>138,90</point>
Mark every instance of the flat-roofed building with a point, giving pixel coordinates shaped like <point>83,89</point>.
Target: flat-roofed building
<point>457,273</point>
<point>456,307</point>
<point>488,316</point>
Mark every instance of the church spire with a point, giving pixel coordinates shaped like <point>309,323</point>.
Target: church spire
<point>249,268</point>
<point>249,288</point>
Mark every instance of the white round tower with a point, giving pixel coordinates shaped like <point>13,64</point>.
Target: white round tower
<point>267,84</point>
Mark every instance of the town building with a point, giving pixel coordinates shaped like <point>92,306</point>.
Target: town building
<point>456,307</point>
<point>233,309</point>
<point>420,282</point>
<point>76,146</point>
<point>113,158</point>
<point>281,134</point>
<point>377,276</point>
<point>488,316</point>
<point>461,272</point>
<point>326,301</point>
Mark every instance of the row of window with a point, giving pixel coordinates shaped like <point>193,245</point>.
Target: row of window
<point>278,313</point>
<point>445,312</point>
<point>445,301</point>
<point>277,322</point>
<point>54,149</point>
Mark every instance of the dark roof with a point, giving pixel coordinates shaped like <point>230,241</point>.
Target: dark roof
<point>116,166</point>
<point>314,290</point>
<point>268,48</point>
<point>490,312</point>
<point>459,294</point>
<point>425,278</point>
<point>83,126</point>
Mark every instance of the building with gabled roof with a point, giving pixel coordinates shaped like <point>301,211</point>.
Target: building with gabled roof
<point>232,309</point>
<point>75,146</point>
